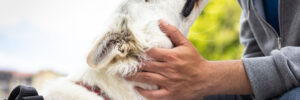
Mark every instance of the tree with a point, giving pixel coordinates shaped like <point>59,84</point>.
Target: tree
<point>215,33</point>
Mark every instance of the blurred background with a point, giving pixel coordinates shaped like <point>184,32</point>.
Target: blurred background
<point>215,33</point>
<point>42,40</point>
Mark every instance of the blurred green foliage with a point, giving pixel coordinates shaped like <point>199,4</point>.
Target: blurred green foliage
<point>215,33</point>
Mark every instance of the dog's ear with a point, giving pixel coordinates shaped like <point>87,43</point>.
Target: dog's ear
<point>116,45</point>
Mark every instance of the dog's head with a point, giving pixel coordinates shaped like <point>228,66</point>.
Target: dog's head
<point>180,13</point>
<point>121,48</point>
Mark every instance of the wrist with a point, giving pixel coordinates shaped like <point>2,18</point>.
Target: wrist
<point>226,77</point>
<point>205,83</point>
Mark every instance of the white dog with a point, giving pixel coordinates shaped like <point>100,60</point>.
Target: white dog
<point>133,29</point>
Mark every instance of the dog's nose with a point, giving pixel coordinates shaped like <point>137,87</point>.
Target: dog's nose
<point>188,8</point>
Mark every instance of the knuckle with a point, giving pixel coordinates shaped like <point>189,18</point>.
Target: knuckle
<point>171,70</point>
<point>171,56</point>
<point>180,63</point>
<point>135,77</point>
<point>146,77</point>
<point>173,30</point>
<point>175,77</point>
<point>154,49</point>
<point>172,91</point>
<point>146,65</point>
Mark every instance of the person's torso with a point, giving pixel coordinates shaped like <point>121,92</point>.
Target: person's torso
<point>266,36</point>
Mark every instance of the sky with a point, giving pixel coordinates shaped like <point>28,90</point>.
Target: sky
<point>50,34</point>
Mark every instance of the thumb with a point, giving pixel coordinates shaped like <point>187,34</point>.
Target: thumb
<point>173,33</point>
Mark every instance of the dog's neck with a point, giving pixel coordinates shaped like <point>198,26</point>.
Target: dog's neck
<point>112,84</point>
<point>94,89</point>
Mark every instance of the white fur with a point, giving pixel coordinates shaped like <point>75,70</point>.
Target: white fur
<point>133,29</point>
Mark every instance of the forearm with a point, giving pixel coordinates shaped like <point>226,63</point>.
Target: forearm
<point>228,77</point>
<point>274,75</point>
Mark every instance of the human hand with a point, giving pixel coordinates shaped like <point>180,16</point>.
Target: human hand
<point>175,70</point>
<point>183,74</point>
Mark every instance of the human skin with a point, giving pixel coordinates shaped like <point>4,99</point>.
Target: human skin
<point>183,74</point>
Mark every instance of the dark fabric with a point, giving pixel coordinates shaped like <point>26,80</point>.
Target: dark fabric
<point>228,97</point>
<point>24,93</point>
<point>291,95</point>
<point>271,13</point>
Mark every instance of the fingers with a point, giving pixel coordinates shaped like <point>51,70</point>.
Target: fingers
<point>155,67</point>
<point>177,38</point>
<point>174,34</point>
<point>153,94</point>
<point>159,54</point>
<point>147,77</point>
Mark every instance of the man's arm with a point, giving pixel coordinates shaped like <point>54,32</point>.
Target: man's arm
<point>270,76</point>
<point>182,73</point>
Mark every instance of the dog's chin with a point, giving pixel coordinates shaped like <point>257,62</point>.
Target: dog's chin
<point>122,69</point>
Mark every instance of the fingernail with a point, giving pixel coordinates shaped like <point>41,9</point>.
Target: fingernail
<point>163,23</point>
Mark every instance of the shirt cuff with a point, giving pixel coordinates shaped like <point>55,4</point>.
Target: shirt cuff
<point>264,76</point>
